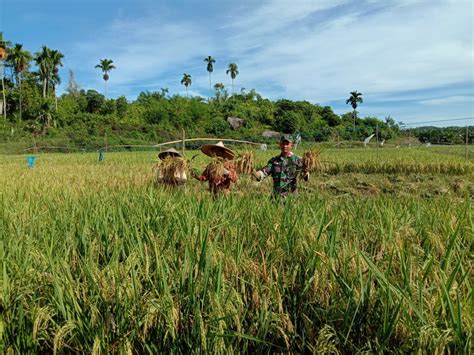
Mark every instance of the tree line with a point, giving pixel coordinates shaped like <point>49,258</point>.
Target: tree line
<point>31,107</point>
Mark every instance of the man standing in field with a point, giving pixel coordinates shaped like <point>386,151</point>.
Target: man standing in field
<point>284,169</point>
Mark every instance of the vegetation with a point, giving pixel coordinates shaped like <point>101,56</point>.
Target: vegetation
<point>356,263</point>
<point>80,119</point>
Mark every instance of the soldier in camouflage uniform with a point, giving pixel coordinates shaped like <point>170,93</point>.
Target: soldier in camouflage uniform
<point>284,169</point>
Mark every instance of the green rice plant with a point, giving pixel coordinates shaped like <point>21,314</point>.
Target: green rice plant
<point>110,263</point>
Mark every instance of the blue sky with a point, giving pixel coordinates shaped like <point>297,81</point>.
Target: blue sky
<point>412,59</point>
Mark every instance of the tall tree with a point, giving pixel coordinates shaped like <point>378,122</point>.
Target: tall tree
<point>210,68</point>
<point>354,100</point>
<point>45,68</point>
<point>233,70</point>
<point>105,65</point>
<point>56,61</point>
<point>20,61</point>
<point>186,81</point>
<point>3,56</point>
<point>44,116</point>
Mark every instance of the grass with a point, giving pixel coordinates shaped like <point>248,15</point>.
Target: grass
<point>96,259</point>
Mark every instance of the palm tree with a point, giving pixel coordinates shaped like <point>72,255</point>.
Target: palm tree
<point>106,66</point>
<point>45,117</point>
<point>45,68</point>
<point>210,68</point>
<point>186,81</point>
<point>56,62</point>
<point>20,61</point>
<point>354,99</point>
<point>234,71</point>
<point>3,56</point>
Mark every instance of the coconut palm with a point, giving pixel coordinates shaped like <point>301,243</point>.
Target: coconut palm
<point>233,70</point>
<point>210,68</point>
<point>106,66</point>
<point>186,81</point>
<point>45,67</point>
<point>20,60</point>
<point>354,100</point>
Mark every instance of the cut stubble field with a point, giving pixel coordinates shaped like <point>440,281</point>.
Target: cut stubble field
<point>374,254</point>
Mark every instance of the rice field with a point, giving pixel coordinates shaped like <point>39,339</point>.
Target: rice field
<point>373,255</point>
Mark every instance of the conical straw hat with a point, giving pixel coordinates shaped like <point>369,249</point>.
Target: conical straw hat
<point>169,153</point>
<point>218,150</point>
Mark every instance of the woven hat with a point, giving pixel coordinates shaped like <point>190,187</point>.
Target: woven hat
<point>169,153</point>
<point>218,150</point>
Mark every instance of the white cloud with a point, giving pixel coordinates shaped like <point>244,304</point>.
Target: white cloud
<point>301,49</point>
<point>145,49</point>
<point>401,48</point>
<point>450,100</point>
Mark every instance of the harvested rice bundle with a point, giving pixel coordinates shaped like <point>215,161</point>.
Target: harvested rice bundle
<point>174,170</point>
<point>171,169</point>
<point>220,172</point>
<point>311,161</point>
<point>215,170</point>
<point>244,163</point>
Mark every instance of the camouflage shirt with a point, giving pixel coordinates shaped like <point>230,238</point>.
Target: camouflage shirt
<point>284,171</point>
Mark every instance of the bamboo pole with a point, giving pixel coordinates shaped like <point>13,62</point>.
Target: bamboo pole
<point>184,140</point>
<point>206,139</point>
<point>154,145</point>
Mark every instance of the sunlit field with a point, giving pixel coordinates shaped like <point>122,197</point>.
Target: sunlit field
<point>374,254</point>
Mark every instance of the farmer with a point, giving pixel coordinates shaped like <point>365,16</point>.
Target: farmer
<point>220,173</point>
<point>172,169</point>
<point>284,169</point>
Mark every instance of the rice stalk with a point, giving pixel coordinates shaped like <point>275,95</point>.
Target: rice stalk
<point>216,169</point>
<point>171,170</point>
<point>311,160</point>
<point>245,162</point>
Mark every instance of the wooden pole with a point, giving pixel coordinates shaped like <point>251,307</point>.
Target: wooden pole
<point>377,134</point>
<point>184,140</point>
<point>181,141</point>
<point>206,139</point>
<point>467,141</point>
